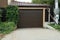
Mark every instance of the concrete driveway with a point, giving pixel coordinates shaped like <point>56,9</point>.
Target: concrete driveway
<point>33,34</point>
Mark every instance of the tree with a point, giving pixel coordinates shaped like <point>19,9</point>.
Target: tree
<point>12,14</point>
<point>50,2</point>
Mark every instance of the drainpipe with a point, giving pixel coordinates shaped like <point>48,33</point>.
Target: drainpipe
<point>56,12</point>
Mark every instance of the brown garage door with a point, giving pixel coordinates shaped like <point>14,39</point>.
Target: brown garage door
<point>30,18</point>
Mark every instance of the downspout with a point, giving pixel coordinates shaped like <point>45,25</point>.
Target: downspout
<point>56,12</point>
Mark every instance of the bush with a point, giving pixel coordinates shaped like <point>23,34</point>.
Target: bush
<point>12,13</point>
<point>57,26</point>
<point>0,14</point>
<point>11,20</point>
<point>7,27</point>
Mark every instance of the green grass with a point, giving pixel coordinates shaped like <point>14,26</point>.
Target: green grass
<point>57,26</point>
<point>7,27</point>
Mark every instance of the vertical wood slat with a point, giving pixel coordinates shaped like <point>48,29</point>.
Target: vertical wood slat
<point>44,16</point>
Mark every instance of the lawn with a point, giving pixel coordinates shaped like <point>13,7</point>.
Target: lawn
<point>57,26</point>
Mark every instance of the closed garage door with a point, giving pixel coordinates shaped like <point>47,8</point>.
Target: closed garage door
<point>30,18</point>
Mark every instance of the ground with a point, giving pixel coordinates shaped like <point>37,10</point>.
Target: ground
<point>33,34</point>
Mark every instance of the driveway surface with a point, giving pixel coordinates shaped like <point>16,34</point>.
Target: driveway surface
<point>33,34</point>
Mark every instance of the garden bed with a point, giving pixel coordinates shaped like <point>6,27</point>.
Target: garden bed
<point>57,26</point>
<point>6,28</point>
<point>8,20</point>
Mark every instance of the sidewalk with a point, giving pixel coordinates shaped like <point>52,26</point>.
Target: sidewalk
<point>33,34</point>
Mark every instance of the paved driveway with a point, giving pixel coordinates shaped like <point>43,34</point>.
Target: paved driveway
<point>33,34</point>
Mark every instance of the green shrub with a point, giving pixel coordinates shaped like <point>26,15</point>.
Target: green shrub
<point>7,27</point>
<point>11,20</point>
<point>57,26</point>
<point>0,14</point>
<point>12,13</point>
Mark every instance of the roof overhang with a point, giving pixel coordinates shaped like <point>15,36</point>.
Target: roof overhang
<point>20,4</point>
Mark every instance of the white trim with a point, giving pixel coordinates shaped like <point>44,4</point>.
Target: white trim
<point>9,1</point>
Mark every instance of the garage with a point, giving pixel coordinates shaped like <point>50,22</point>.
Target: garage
<point>31,18</point>
<point>31,15</point>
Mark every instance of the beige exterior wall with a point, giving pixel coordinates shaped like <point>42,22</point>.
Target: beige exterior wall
<point>3,3</point>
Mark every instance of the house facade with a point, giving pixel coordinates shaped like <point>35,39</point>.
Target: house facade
<point>31,15</point>
<point>4,3</point>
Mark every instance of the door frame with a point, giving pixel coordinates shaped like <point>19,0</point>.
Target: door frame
<point>36,8</point>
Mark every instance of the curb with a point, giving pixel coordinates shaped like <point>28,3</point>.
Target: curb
<point>48,26</point>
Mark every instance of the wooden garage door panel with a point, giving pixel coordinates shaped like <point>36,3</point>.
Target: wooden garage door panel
<point>31,18</point>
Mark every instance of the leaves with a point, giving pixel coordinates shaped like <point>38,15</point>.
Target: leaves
<point>7,27</point>
<point>50,2</point>
<point>12,13</point>
<point>57,26</point>
<point>11,20</point>
<point>0,14</point>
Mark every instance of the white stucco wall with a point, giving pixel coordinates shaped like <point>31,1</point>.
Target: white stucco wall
<point>24,1</point>
<point>9,1</point>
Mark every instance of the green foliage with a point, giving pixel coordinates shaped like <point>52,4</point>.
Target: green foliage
<point>0,14</point>
<point>12,13</point>
<point>50,2</point>
<point>36,1</point>
<point>43,1</point>
<point>57,26</point>
<point>7,27</point>
<point>11,20</point>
